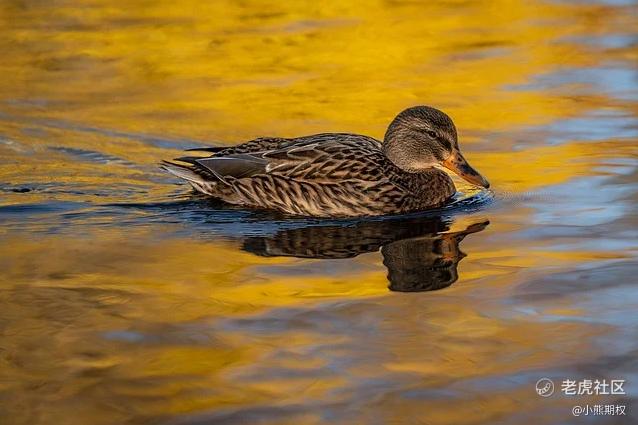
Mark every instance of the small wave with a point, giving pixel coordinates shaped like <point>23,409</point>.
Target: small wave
<point>40,208</point>
<point>92,156</point>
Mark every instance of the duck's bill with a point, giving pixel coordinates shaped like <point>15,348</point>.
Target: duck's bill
<point>459,165</point>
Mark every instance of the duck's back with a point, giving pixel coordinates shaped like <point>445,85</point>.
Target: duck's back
<point>263,144</point>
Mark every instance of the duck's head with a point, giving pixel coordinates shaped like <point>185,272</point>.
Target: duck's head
<point>422,137</point>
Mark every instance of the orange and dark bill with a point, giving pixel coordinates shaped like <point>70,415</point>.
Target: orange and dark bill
<point>459,165</point>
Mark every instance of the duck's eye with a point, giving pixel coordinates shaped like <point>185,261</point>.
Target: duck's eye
<point>432,134</point>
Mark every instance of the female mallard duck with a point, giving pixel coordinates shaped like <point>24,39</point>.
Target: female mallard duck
<point>338,174</point>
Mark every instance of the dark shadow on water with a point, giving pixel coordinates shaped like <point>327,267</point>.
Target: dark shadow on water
<point>421,254</point>
<point>427,262</point>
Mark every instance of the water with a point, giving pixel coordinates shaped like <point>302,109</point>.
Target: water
<point>125,299</point>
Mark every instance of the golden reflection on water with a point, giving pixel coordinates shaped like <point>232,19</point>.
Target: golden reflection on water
<point>125,301</point>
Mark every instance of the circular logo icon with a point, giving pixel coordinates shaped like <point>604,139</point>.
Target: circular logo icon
<point>544,387</point>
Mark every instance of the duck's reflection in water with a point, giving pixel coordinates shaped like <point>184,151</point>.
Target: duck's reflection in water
<point>420,254</point>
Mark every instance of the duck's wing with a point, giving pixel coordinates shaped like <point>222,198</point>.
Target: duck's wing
<point>235,161</point>
<point>322,157</point>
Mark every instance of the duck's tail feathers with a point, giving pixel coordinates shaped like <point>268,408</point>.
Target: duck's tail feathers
<point>182,171</point>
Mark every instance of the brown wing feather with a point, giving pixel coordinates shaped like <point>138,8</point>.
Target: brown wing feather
<point>333,160</point>
<point>322,158</point>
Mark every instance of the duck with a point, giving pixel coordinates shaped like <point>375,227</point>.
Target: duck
<point>337,174</point>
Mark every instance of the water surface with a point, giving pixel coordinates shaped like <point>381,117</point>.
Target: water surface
<point>126,299</point>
